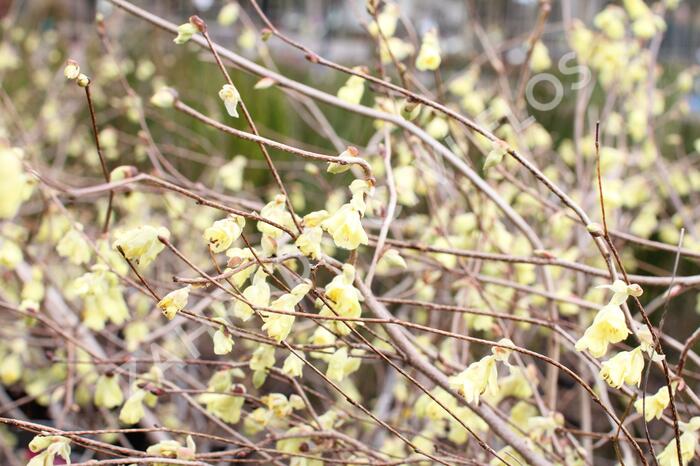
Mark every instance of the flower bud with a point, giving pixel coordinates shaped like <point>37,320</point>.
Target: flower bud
<point>410,110</point>
<point>83,80</point>
<point>265,34</point>
<point>634,290</point>
<point>198,23</point>
<point>595,229</point>
<point>123,172</point>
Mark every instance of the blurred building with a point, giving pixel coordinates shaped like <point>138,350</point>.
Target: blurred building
<point>335,27</point>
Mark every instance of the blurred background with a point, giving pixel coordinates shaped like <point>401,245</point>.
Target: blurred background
<point>335,26</point>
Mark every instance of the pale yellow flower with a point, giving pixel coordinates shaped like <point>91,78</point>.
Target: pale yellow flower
<point>257,294</point>
<point>406,178</point>
<point>231,174</point>
<point>345,227</point>
<point>340,365</point>
<point>48,448</point>
<point>394,47</point>
<point>580,40</point>
<point>174,302</point>
<point>164,97</point>
<point>257,420</point>
<point>495,156</point>
<point>309,242</point>
<point>611,21</point>
<point>478,379</point>
<point>608,327</point>
<point>102,296</point>
<point>141,244</point>
<point>278,404</point>
<point>224,406</point>
<point>539,60</point>
<point>321,337</point>
<point>229,94</point>
<point>135,333</point>
<point>347,155</point>
<point>173,449</point>
<point>353,89</point>
<point>517,384</point>
<point>263,358</point>
<point>132,412</point>
<point>228,14</point>
<point>438,128</point>
<point>653,406</point>
<point>345,298</point>
<point>71,70</point>
<point>636,8</point>
<point>314,219</point>
<point>185,32</point>
<point>386,21</point>
<point>501,353</point>
<point>238,257</point>
<point>9,59</point>
<point>224,232</point>
<point>621,291</point>
<point>223,342</point>
<point>429,54</point>
<point>646,27</point>
<point>392,259</point>
<point>277,325</point>
<point>10,254</point>
<point>10,368</point>
<point>74,247</point>
<point>108,393</point>
<point>276,211</point>
<point>624,367</point>
<point>294,364</point>
<point>247,39</point>
<point>669,455</point>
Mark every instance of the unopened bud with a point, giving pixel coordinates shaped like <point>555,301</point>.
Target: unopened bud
<point>634,290</point>
<point>595,229</point>
<point>312,57</point>
<point>198,23</point>
<point>410,110</point>
<point>83,80</point>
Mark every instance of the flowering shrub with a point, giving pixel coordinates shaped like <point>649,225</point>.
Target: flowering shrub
<point>463,285</point>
